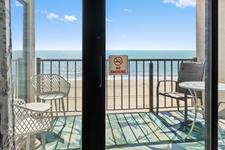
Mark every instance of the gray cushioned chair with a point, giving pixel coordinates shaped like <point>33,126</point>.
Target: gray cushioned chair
<point>189,71</point>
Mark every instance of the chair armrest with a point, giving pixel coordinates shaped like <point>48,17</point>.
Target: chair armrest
<point>221,102</point>
<point>68,88</point>
<point>167,81</point>
<point>159,82</point>
<point>28,109</point>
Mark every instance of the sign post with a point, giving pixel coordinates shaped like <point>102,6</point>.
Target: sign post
<point>118,65</point>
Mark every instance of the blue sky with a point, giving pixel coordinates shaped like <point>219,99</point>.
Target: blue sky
<point>130,24</point>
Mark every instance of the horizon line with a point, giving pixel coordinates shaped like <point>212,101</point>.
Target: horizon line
<point>117,50</point>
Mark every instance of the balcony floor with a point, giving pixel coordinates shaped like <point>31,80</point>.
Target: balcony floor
<point>131,131</point>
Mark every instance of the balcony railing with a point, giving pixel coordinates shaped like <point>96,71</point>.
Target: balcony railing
<point>135,91</point>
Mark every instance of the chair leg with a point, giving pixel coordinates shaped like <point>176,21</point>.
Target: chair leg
<point>64,111</point>
<point>220,134</point>
<point>51,114</point>
<point>28,142</point>
<point>178,105</point>
<point>52,122</point>
<point>185,110</point>
<point>157,104</point>
<point>55,101</point>
<point>43,140</point>
<point>51,106</point>
<point>201,101</point>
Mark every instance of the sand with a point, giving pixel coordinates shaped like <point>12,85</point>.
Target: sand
<point>117,95</point>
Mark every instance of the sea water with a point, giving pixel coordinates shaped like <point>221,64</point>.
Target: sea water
<point>141,70</point>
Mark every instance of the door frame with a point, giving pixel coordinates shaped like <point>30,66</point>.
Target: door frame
<point>211,73</point>
<point>93,117</point>
<point>93,81</point>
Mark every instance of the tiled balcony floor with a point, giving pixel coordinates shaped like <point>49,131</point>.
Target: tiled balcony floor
<point>131,131</point>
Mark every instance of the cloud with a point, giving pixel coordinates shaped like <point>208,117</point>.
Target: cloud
<point>70,18</point>
<point>181,3</point>
<point>18,4</point>
<point>108,20</point>
<point>126,10</point>
<point>52,16</point>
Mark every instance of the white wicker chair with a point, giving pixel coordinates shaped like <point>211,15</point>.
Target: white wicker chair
<point>29,122</point>
<point>48,87</point>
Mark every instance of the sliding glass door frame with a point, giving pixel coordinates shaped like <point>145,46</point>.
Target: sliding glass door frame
<point>93,83</point>
<point>211,74</point>
<point>93,117</point>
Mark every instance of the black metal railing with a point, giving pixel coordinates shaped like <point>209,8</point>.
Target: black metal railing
<point>135,91</point>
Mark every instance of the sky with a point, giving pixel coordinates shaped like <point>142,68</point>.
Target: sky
<point>130,24</point>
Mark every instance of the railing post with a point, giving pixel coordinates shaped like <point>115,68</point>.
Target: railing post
<point>22,90</point>
<point>38,65</point>
<point>38,71</point>
<point>151,87</point>
<point>195,59</point>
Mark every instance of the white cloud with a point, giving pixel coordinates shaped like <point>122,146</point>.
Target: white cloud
<point>127,10</point>
<point>70,18</point>
<point>181,3</point>
<point>52,16</point>
<point>18,4</point>
<point>108,20</point>
<point>43,12</point>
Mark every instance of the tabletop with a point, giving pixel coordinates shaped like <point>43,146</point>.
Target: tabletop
<point>199,85</point>
<point>42,107</point>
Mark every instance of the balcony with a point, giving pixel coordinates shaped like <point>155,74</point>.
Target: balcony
<point>142,130</point>
<point>130,104</point>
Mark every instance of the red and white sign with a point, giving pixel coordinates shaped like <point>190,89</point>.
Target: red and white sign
<point>118,65</point>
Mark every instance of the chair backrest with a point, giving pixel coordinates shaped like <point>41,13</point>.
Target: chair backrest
<point>29,121</point>
<point>189,71</point>
<point>18,101</point>
<point>49,84</point>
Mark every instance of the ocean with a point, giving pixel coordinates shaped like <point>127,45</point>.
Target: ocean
<point>132,54</point>
<point>142,69</point>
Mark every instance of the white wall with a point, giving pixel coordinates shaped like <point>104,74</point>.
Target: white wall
<point>222,41</point>
<point>201,35</point>
<point>200,28</point>
<point>201,38</point>
<point>5,77</point>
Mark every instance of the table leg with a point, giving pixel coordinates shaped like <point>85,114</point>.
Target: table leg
<point>185,110</point>
<point>194,95</point>
<point>28,142</point>
<point>64,111</point>
<point>43,138</point>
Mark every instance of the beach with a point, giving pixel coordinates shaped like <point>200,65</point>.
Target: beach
<point>122,95</point>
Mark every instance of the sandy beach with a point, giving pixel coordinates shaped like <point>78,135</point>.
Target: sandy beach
<point>122,95</point>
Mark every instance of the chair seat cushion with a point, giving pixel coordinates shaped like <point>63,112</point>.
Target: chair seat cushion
<point>51,96</point>
<point>175,95</point>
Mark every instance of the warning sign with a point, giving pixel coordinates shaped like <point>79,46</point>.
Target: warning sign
<point>118,65</point>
